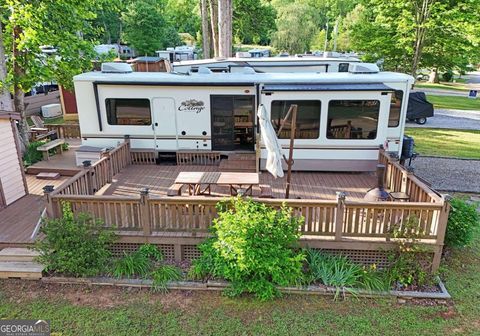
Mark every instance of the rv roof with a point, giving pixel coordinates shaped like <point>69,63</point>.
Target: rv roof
<point>305,59</point>
<point>242,78</point>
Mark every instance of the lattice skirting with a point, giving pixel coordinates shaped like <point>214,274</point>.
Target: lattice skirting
<point>118,249</point>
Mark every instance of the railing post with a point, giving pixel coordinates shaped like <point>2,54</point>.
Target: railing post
<point>49,210</point>
<point>145,212</point>
<point>109,165</point>
<point>405,176</point>
<point>339,214</point>
<point>441,230</point>
<point>87,165</point>
<point>129,156</point>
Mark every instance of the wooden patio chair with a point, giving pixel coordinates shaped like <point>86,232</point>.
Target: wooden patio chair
<point>40,132</point>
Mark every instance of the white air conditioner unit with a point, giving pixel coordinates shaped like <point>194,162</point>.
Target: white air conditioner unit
<point>116,68</point>
<point>51,110</point>
<point>363,68</point>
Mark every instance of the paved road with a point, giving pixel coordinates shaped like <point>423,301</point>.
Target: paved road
<point>441,92</point>
<point>457,119</point>
<point>449,174</point>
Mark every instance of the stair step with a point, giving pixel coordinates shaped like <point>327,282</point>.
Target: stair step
<point>23,270</point>
<point>48,176</point>
<point>237,166</point>
<point>18,254</point>
<point>241,157</point>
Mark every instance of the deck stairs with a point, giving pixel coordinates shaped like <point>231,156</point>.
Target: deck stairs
<point>19,263</point>
<point>239,162</point>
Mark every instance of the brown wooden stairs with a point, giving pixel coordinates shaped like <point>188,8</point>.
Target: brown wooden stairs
<point>19,263</point>
<point>239,162</point>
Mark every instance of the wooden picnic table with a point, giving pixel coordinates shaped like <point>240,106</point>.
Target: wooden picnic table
<point>199,183</point>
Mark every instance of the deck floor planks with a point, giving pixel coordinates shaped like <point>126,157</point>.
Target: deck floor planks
<point>305,185</point>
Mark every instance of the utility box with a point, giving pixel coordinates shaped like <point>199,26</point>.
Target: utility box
<point>51,110</point>
<point>88,153</point>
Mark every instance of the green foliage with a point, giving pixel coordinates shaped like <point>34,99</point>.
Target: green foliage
<point>253,21</point>
<point>147,27</point>
<point>341,273</point>
<point>463,220</point>
<point>65,146</point>
<point>407,267</point>
<point>77,246</point>
<point>134,264</point>
<point>32,155</point>
<point>139,263</point>
<point>163,274</point>
<point>447,76</point>
<point>253,248</point>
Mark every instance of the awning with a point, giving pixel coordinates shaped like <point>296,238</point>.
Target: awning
<point>327,87</point>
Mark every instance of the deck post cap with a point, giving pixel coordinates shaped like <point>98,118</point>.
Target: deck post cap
<point>341,195</point>
<point>87,163</point>
<point>144,191</point>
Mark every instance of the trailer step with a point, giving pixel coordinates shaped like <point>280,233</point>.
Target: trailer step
<point>23,270</point>
<point>18,254</point>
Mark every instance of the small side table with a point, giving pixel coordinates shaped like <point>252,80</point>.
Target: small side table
<point>399,196</point>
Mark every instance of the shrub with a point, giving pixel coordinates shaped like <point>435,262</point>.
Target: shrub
<point>77,246</point>
<point>341,273</point>
<point>447,76</point>
<point>32,155</point>
<point>407,267</point>
<point>462,222</point>
<point>253,247</point>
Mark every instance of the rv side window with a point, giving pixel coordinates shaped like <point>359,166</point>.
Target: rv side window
<point>343,67</point>
<point>395,108</point>
<point>308,118</point>
<point>353,119</point>
<point>122,111</point>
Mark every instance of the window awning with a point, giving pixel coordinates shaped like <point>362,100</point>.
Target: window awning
<point>327,87</point>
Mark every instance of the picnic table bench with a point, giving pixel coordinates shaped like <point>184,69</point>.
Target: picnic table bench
<point>50,145</point>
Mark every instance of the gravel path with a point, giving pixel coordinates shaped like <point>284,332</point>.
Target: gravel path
<point>457,119</point>
<point>449,174</point>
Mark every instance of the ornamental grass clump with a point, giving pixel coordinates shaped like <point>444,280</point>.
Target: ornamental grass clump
<point>254,247</point>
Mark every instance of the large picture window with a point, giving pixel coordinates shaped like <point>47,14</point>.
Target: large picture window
<point>395,108</point>
<point>353,119</point>
<point>308,118</point>
<point>126,111</point>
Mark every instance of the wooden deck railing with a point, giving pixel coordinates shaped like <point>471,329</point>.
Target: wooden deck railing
<point>65,131</point>
<point>92,178</point>
<point>398,178</point>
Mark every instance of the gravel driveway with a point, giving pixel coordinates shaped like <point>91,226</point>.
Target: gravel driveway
<point>449,174</point>
<point>457,119</point>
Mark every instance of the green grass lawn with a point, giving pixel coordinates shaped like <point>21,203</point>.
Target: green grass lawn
<point>454,102</point>
<point>443,85</point>
<point>80,310</point>
<point>446,142</point>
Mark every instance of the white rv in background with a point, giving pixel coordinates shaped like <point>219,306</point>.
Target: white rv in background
<point>343,117</point>
<point>289,64</point>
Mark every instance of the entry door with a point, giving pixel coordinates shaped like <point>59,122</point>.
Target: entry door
<point>165,124</point>
<point>232,122</point>
<point>223,136</point>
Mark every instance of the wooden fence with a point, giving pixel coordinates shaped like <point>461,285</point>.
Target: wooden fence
<point>339,224</point>
<point>398,178</point>
<point>65,131</point>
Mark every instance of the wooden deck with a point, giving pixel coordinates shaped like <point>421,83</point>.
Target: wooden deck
<point>18,221</point>
<point>305,185</point>
<point>61,163</point>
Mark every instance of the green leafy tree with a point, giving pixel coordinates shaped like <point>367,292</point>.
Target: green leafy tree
<point>30,24</point>
<point>253,21</point>
<point>147,27</point>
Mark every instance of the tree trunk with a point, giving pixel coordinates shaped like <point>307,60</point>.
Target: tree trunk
<point>434,77</point>
<point>225,28</point>
<point>18,94</point>
<point>423,9</point>
<point>5,100</point>
<point>214,25</point>
<point>205,29</point>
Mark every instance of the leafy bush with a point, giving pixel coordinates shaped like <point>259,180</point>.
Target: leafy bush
<point>341,273</point>
<point>462,222</point>
<point>253,247</point>
<point>77,246</point>
<point>407,267</point>
<point>163,274</point>
<point>32,155</point>
<point>447,76</point>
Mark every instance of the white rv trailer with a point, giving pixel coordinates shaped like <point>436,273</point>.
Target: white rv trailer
<point>343,118</point>
<point>269,64</point>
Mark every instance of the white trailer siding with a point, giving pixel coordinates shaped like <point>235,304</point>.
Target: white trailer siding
<point>11,178</point>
